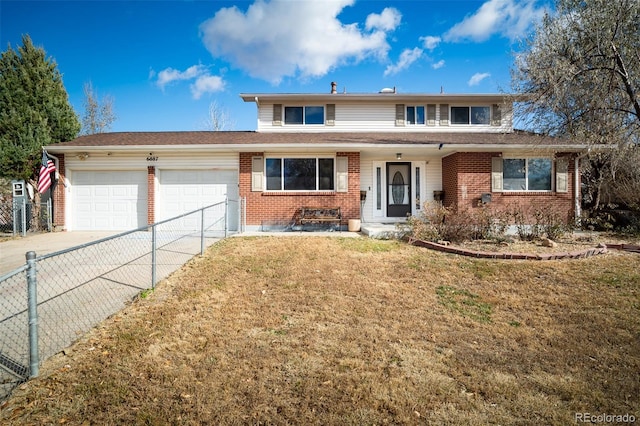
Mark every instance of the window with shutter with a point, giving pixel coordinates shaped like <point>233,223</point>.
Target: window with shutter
<point>444,114</point>
<point>562,175</point>
<point>342,174</point>
<point>524,174</point>
<point>331,115</point>
<point>277,115</point>
<point>399,114</point>
<point>496,174</point>
<point>431,115</point>
<point>496,115</point>
<point>257,174</point>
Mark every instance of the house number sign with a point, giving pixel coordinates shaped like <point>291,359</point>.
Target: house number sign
<point>152,158</point>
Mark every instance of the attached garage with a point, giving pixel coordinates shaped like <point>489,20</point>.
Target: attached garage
<point>183,191</point>
<point>110,200</point>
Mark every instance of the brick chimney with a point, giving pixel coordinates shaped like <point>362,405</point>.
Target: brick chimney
<point>334,87</point>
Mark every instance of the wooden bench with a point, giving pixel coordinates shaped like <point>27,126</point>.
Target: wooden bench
<point>320,215</point>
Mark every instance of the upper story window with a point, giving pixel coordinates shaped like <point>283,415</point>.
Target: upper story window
<point>300,174</point>
<point>470,115</point>
<point>527,174</point>
<point>415,115</point>
<point>304,115</point>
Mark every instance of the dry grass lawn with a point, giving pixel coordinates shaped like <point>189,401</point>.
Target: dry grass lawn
<point>347,331</point>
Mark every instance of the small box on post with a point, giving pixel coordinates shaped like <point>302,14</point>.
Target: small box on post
<point>20,214</point>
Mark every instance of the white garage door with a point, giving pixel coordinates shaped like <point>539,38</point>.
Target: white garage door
<point>183,191</point>
<point>109,200</point>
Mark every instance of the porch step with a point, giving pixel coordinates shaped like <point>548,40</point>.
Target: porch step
<point>381,231</point>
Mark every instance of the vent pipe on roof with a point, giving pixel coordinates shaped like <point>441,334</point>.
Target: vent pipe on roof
<point>334,87</point>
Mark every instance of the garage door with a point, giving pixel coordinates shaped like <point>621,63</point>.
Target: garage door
<point>109,200</point>
<point>183,191</point>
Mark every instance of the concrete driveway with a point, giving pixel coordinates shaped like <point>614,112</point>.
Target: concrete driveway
<point>12,252</point>
<point>78,289</point>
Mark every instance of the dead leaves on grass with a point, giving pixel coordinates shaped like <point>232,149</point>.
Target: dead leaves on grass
<point>340,331</point>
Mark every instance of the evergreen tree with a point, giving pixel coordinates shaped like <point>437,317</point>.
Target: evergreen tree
<point>34,110</point>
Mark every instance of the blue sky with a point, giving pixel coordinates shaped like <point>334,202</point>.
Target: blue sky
<point>165,62</point>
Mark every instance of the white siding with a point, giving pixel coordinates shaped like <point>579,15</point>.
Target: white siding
<point>434,177</point>
<point>366,184</point>
<point>363,117</point>
<point>430,174</point>
<point>137,160</point>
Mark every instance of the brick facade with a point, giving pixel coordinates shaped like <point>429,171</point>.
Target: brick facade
<point>151,195</point>
<point>467,175</point>
<point>284,206</point>
<point>59,195</point>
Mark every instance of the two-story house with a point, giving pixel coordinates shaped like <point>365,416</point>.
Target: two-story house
<point>378,156</point>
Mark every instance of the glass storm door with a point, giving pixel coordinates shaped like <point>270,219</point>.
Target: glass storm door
<point>398,189</point>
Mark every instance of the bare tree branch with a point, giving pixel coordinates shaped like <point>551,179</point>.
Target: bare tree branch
<point>218,118</point>
<point>98,114</point>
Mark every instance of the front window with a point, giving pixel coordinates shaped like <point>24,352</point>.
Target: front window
<point>470,115</point>
<point>304,115</point>
<point>300,174</point>
<point>527,174</point>
<point>415,115</point>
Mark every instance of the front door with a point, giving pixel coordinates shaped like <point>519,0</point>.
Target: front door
<point>398,189</point>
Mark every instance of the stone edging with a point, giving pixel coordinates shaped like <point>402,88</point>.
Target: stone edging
<point>601,249</point>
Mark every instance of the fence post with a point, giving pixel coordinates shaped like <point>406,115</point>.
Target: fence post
<point>226,216</point>
<point>202,232</point>
<point>153,256</point>
<point>243,213</point>
<point>32,300</point>
<point>49,215</point>
<point>24,217</point>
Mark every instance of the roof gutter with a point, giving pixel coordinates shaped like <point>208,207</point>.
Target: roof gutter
<point>306,147</point>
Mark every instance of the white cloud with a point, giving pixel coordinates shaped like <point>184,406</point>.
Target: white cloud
<point>206,84</point>
<point>438,64</point>
<point>430,42</point>
<point>282,38</point>
<point>477,78</point>
<point>204,81</point>
<point>407,57</point>
<point>170,75</point>
<point>388,20</point>
<point>509,18</point>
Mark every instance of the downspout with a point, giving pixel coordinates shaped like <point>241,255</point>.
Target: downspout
<point>258,112</point>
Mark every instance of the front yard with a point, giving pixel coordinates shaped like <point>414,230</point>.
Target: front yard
<point>314,330</point>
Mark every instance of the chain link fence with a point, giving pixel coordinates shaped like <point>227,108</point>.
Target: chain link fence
<point>19,216</point>
<point>54,299</point>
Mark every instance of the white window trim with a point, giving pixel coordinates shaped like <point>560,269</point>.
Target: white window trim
<point>293,191</point>
<point>406,115</point>
<point>304,107</point>
<point>526,176</point>
<point>469,124</point>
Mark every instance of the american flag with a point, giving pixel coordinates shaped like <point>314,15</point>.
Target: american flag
<point>47,167</point>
